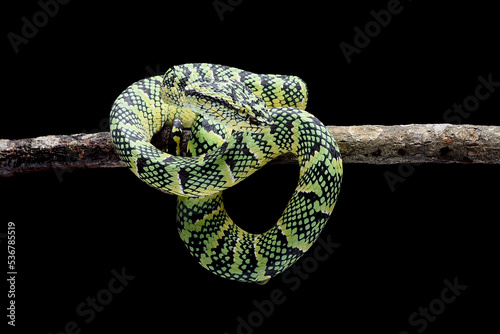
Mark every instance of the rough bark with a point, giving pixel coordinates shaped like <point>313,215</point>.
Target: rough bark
<point>372,144</point>
<point>417,143</point>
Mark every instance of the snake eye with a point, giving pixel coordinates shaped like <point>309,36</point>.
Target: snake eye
<point>243,112</point>
<point>253,120</point>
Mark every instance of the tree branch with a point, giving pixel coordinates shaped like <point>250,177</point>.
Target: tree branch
<point>372,144</point>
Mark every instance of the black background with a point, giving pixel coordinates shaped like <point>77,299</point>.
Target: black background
<point>396,247</point>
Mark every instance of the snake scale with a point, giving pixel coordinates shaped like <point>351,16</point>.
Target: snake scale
<point>239,122</point>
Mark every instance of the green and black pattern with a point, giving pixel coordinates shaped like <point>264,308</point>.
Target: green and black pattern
<point>239,121</point>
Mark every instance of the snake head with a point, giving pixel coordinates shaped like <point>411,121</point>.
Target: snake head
<point>230,103</point>
<point>250,117</point>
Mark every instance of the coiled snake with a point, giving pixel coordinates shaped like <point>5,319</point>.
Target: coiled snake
<point>239,122</point>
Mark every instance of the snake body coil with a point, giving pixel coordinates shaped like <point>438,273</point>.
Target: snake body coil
<point>239,122</point>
